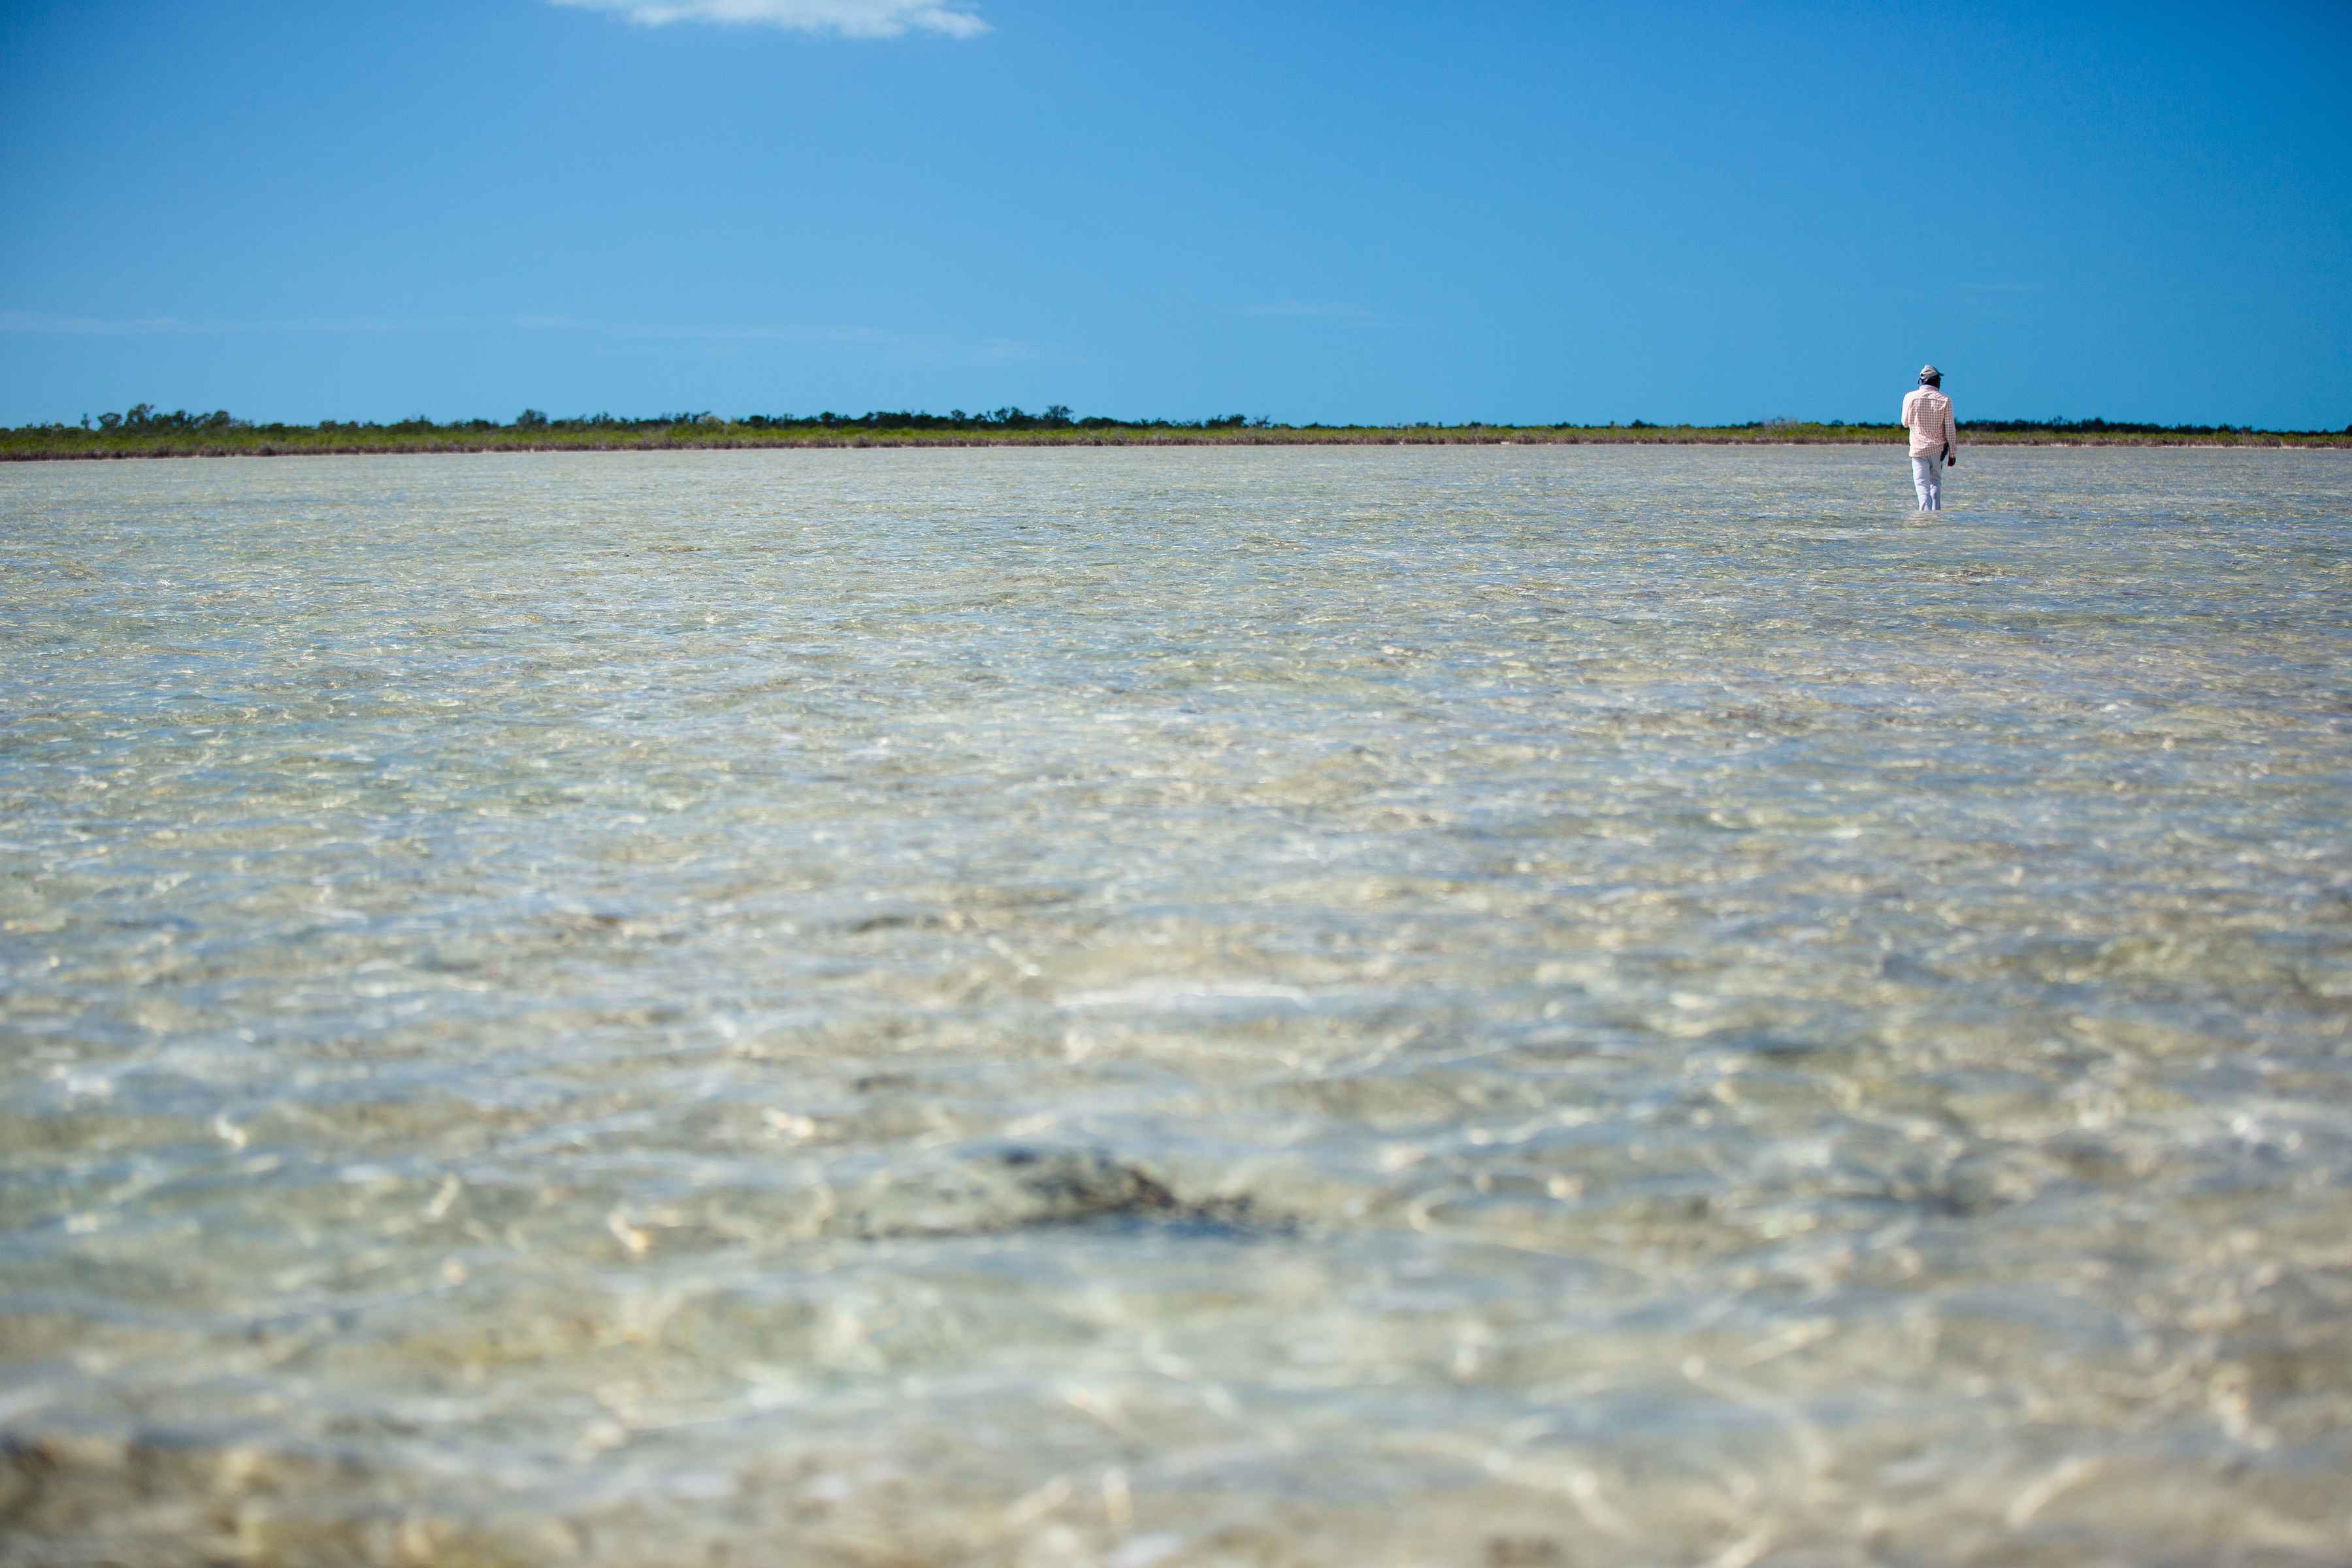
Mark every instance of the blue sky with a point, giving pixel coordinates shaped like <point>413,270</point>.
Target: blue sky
<point>1369,211</point>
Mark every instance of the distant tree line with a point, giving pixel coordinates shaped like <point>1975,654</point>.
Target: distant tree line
<point>2033,428</point>
<point>2124,427</point>
<point>144,419</point>
<point>1056,417</point>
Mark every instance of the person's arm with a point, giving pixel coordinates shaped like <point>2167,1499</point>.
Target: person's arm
<point>1951,438</point>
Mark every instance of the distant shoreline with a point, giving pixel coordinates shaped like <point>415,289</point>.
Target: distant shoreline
<point>54,444</point>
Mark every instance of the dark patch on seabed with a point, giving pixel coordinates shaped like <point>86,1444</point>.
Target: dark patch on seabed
<point>1021,1187</point>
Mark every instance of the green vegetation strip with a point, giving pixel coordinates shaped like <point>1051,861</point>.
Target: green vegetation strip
<point>141,432</point>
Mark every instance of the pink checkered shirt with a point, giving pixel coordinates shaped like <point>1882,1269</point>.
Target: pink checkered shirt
<point>1927,414</point>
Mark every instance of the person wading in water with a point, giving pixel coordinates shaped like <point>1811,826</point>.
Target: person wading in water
<point>1927,414</point>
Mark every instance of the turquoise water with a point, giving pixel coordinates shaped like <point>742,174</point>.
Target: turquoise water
<point>1504,1006</point>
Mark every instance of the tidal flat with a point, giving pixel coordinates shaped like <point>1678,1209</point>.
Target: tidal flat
<point>1157,1008</point>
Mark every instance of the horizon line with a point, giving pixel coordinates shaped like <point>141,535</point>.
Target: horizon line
<point>146,417</point>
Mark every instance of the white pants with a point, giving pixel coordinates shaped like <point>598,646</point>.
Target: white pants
<point>1928,479</point>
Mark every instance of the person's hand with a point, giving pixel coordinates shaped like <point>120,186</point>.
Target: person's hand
<point>1952,462</point>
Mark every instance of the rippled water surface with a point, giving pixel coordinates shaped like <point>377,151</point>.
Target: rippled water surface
<point>1510,1007</point>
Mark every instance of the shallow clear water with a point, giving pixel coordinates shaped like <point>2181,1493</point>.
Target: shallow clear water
<point>1504,1007</point>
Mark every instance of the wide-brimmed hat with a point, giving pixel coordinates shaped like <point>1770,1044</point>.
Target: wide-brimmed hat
<point>1929,373</point>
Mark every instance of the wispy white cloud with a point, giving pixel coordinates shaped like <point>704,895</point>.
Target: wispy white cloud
<point>846,18</point>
